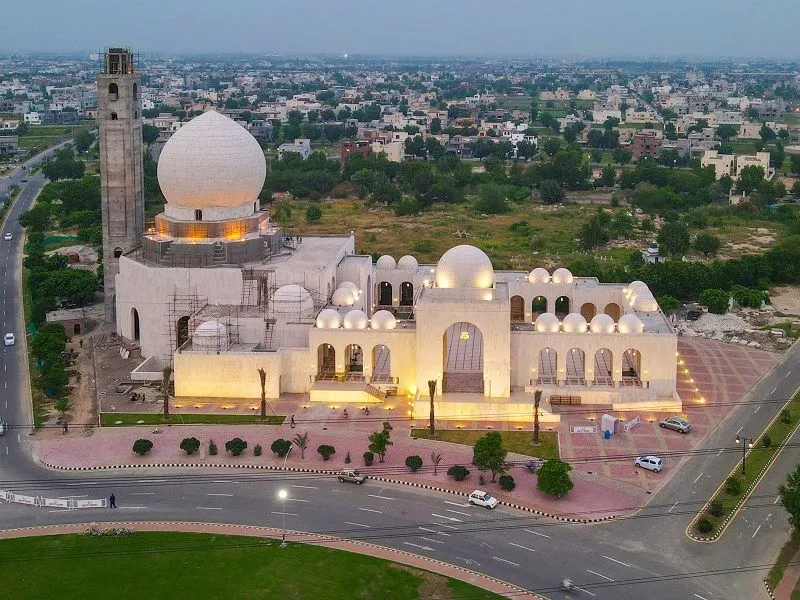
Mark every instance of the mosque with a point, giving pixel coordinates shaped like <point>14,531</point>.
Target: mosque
<point>218,290</point>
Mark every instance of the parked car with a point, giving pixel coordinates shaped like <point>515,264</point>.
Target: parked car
<point>651,463</point>
<point>2,426</point>
<point>8,237</point>
<point>480,498</point>
<point>351,476</point>
<point>534,464</point>
<point>676,423</point>
<point>9,339</point>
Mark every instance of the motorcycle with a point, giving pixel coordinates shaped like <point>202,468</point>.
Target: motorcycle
<point>567,585</point>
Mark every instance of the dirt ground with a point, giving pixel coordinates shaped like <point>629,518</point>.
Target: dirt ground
<point>786,299</point>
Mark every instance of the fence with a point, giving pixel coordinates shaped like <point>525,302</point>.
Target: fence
<point>62,503</point>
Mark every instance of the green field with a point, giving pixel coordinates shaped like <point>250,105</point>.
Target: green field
<point>194,566</point>
<point>129,419</point>
<point>513,441</point>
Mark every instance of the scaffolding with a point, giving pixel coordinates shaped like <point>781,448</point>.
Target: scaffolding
<point>258,289</point>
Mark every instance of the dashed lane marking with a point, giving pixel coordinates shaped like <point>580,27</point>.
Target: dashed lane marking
<point>370,510</point>
<point>599,574</point>
<point>358,524</point>
<point>536,533</point>
<point>521,546</point>
<point>497,558</point>
<point>617,561</point>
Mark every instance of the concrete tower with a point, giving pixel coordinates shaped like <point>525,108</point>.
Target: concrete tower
<point>121,174</point>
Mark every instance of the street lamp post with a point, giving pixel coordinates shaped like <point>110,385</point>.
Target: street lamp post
<point>283,494</point>
<point>746,443</point>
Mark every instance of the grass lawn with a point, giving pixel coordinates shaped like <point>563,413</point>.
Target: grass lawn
<point>185,565</point>
<point>128,419</point>
<point>513,441</point>
<point>53,242</point>
<point>786,554</point>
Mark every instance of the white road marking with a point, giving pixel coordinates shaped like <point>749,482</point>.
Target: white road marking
<point>448,526</point>
<point>756,410</point>
<point>720,451</point>
<point>520,546</point>
<point>224,481</point>
<point>458,512</point>
<point>504,560</point>
<point>697,478</point>
<point>599,575</point>
<point>292,499</point>
<point>276,512</point>
<point>420,547</point>
<point>381,497</point>
<point>83,483</point>
<point>446,517</point>
<point>137,507</point>
<point>673,507</point>
<point>586,591</point>
<point>151,481</point>
<point>141,494</point>
<point>305,487</point>
<point>536,533</point>
<point>787,374</point>
<point>427,539</point>
<point>371,510</point>
<point>434,531</point>
<point>207,508</point>
<point>210,494</point>
<point>358,524</point>
<point>465,504</point>
<point>699,596</point>
<point>738,430</point>
<point>775,389</point>
<point>756,532</point>
<point>60,510</point>
<point>617,561</point>
<point>777,500</point>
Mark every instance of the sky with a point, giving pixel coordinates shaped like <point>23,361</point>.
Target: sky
<point>530,28</point>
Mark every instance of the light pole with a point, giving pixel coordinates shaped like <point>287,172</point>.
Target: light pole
<point>283,494</point>
<point>746,443</point>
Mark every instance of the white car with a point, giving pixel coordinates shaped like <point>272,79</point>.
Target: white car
<point>479,498</point>
<point>9,340</point>
<point>8,237</point>
<point>651,463</point>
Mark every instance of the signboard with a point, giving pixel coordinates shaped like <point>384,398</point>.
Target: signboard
<point>99,503</point>
<point>583,429</point>
<point>56,502</point>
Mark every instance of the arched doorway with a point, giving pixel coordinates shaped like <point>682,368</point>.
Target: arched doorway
<point>326,363</point>
<point>517,309</point>
<point>538,306</point>
<point>548,367</point>
<point>381,364</point>
<point>632,368</point>
<point>384,293</point>
<point>135,324</point>
<point>406,294</point>
<point>462,350</point>
<point>576,367</point>
<point>561,307</point>
<point>604,367</point>
<point>353,363</point>
<point>182,331</point>
<point>613,310</point>
<point>588,311</point>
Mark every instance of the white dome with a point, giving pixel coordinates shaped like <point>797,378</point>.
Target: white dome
<point>636,288</point>
<point>383,319</point>
<point>211,161</point>
<point>349,285</point>
<point>329,319</point>
<point>630,323</point>
<point>293,299</point>
<point>355,319</point>
<point>574,323</point>
<point>601,323</point>
<point>547,323</point>
<point>539,275</point>
<point>464,266</point>
<point>386,262</point>
<point>645,303</point>
<point>407,263</point>
<point>343,296</point>
<point>210,334</point>
<point>561,275</point>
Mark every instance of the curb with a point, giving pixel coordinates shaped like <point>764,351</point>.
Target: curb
<point>326,472</point>
<point>770,593</point>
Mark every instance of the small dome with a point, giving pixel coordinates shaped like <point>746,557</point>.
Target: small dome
<point>464,266</point>
<point>383,319</point>
<point>574,323</point>
<point>329,319</point>
<point>343,297</point>
<point>293,299</point>
<point>349,285</point>
<point>630,323</point>
<point>638,287</point>
<point>547,323</point>
<point>645,303</point>
<point>210,334</point>
<point>386,262</point>
<point>561,275</point>
<point>601,323</point>
<point>407,263</point>
<point>539,275</point>
<point>355,319</point>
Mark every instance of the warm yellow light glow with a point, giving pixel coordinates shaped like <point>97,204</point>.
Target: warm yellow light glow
<point>464,335</point>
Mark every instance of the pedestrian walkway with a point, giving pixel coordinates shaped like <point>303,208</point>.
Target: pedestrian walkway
<point>790,580</point>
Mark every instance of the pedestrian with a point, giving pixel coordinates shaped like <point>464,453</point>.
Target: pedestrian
<point>112,501</point>
<point>66,427</point>
<point>81,342</point>
<point>292,421</point>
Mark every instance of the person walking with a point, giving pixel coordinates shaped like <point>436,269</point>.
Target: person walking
<point>292,421</point>
<point>66,427</point>
<point>112,501</point>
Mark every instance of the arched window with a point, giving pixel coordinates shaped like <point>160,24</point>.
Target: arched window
<point>406,293</point>
<point>113,91</point>
<point>562,306</point>
<point>135,324</point>
<point>182,331</point>
<point>135,91</point>
<point>113,116</point>
<point>117,252</point>
<point>198,215</point>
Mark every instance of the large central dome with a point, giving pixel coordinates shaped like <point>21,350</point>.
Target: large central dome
<point>464,266</point>
<point>211,161</point>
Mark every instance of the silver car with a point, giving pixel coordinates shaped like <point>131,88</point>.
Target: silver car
<point>2,426</point>
<point>676,423</point>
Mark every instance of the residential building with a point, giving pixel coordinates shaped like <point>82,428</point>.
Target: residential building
<point>9,145</point>
<point>646,143</point>
<point>349,147</point>
<point>732,164</point>
<point>394,151</point>
<point>301,146</point>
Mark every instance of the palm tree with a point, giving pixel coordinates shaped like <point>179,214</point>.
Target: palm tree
<point>301,441</point>
<point>436,458</point>
<point>166,373</point>
<point>432,392</point>
<point>263,376</point>
<point>537,397</point>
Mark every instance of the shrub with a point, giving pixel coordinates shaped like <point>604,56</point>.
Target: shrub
<point>458,472</point>
<point>369,457</point>
<point>313,213</point>
<point>733,486</point>
<point>414,463</point>
<point>507,482</point>
<point>715,508</point>
<point>481,479</point>
<point>766,441</point>
<point>786,416</point>
<point>190,445</point>
<point>347,458</point>
<point>553,478</point>
<point>281,447</point>
<point>704,525</point>
<point>257,450</point>
<point>212,448</point>
<point>326,451</point>
<point>236,446</point>
<point>142,447</point>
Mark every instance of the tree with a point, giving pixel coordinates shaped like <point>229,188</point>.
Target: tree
<point>236,446</point>
<point>707,244</point>
<point>750,178</point>
<point>142,446</point>
<point>432,393</point>
<point>551,192</point>
<point>262,375</point>
<point>674,237</point>
<point>150,134</point>
<point>414,463</point>
<point>795,158</point>
<point>553,478</point>
<point>507,482</point>
<point>83,140</point>
<point>313,213</point>
<point>301,441</point>
<point>458,472</point>
<point>608,176</point>
<point>593,233</point>
<point>551,145</point>
<point>488,454</point>
<point>379,441</point>
<point>166,374</point>
<point>190,445</point>
<point>436,458</point>
<point>726,132</point>
<point>62,406</point>
<point>716,300</point>
<point>790,496</point>
<point>281,447</point>
<point>766,133</point>
<point>537,398</point>
<point>436,126</point>
<point>621,156</point>
<point>491,200</point>
<point>326,451</point>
